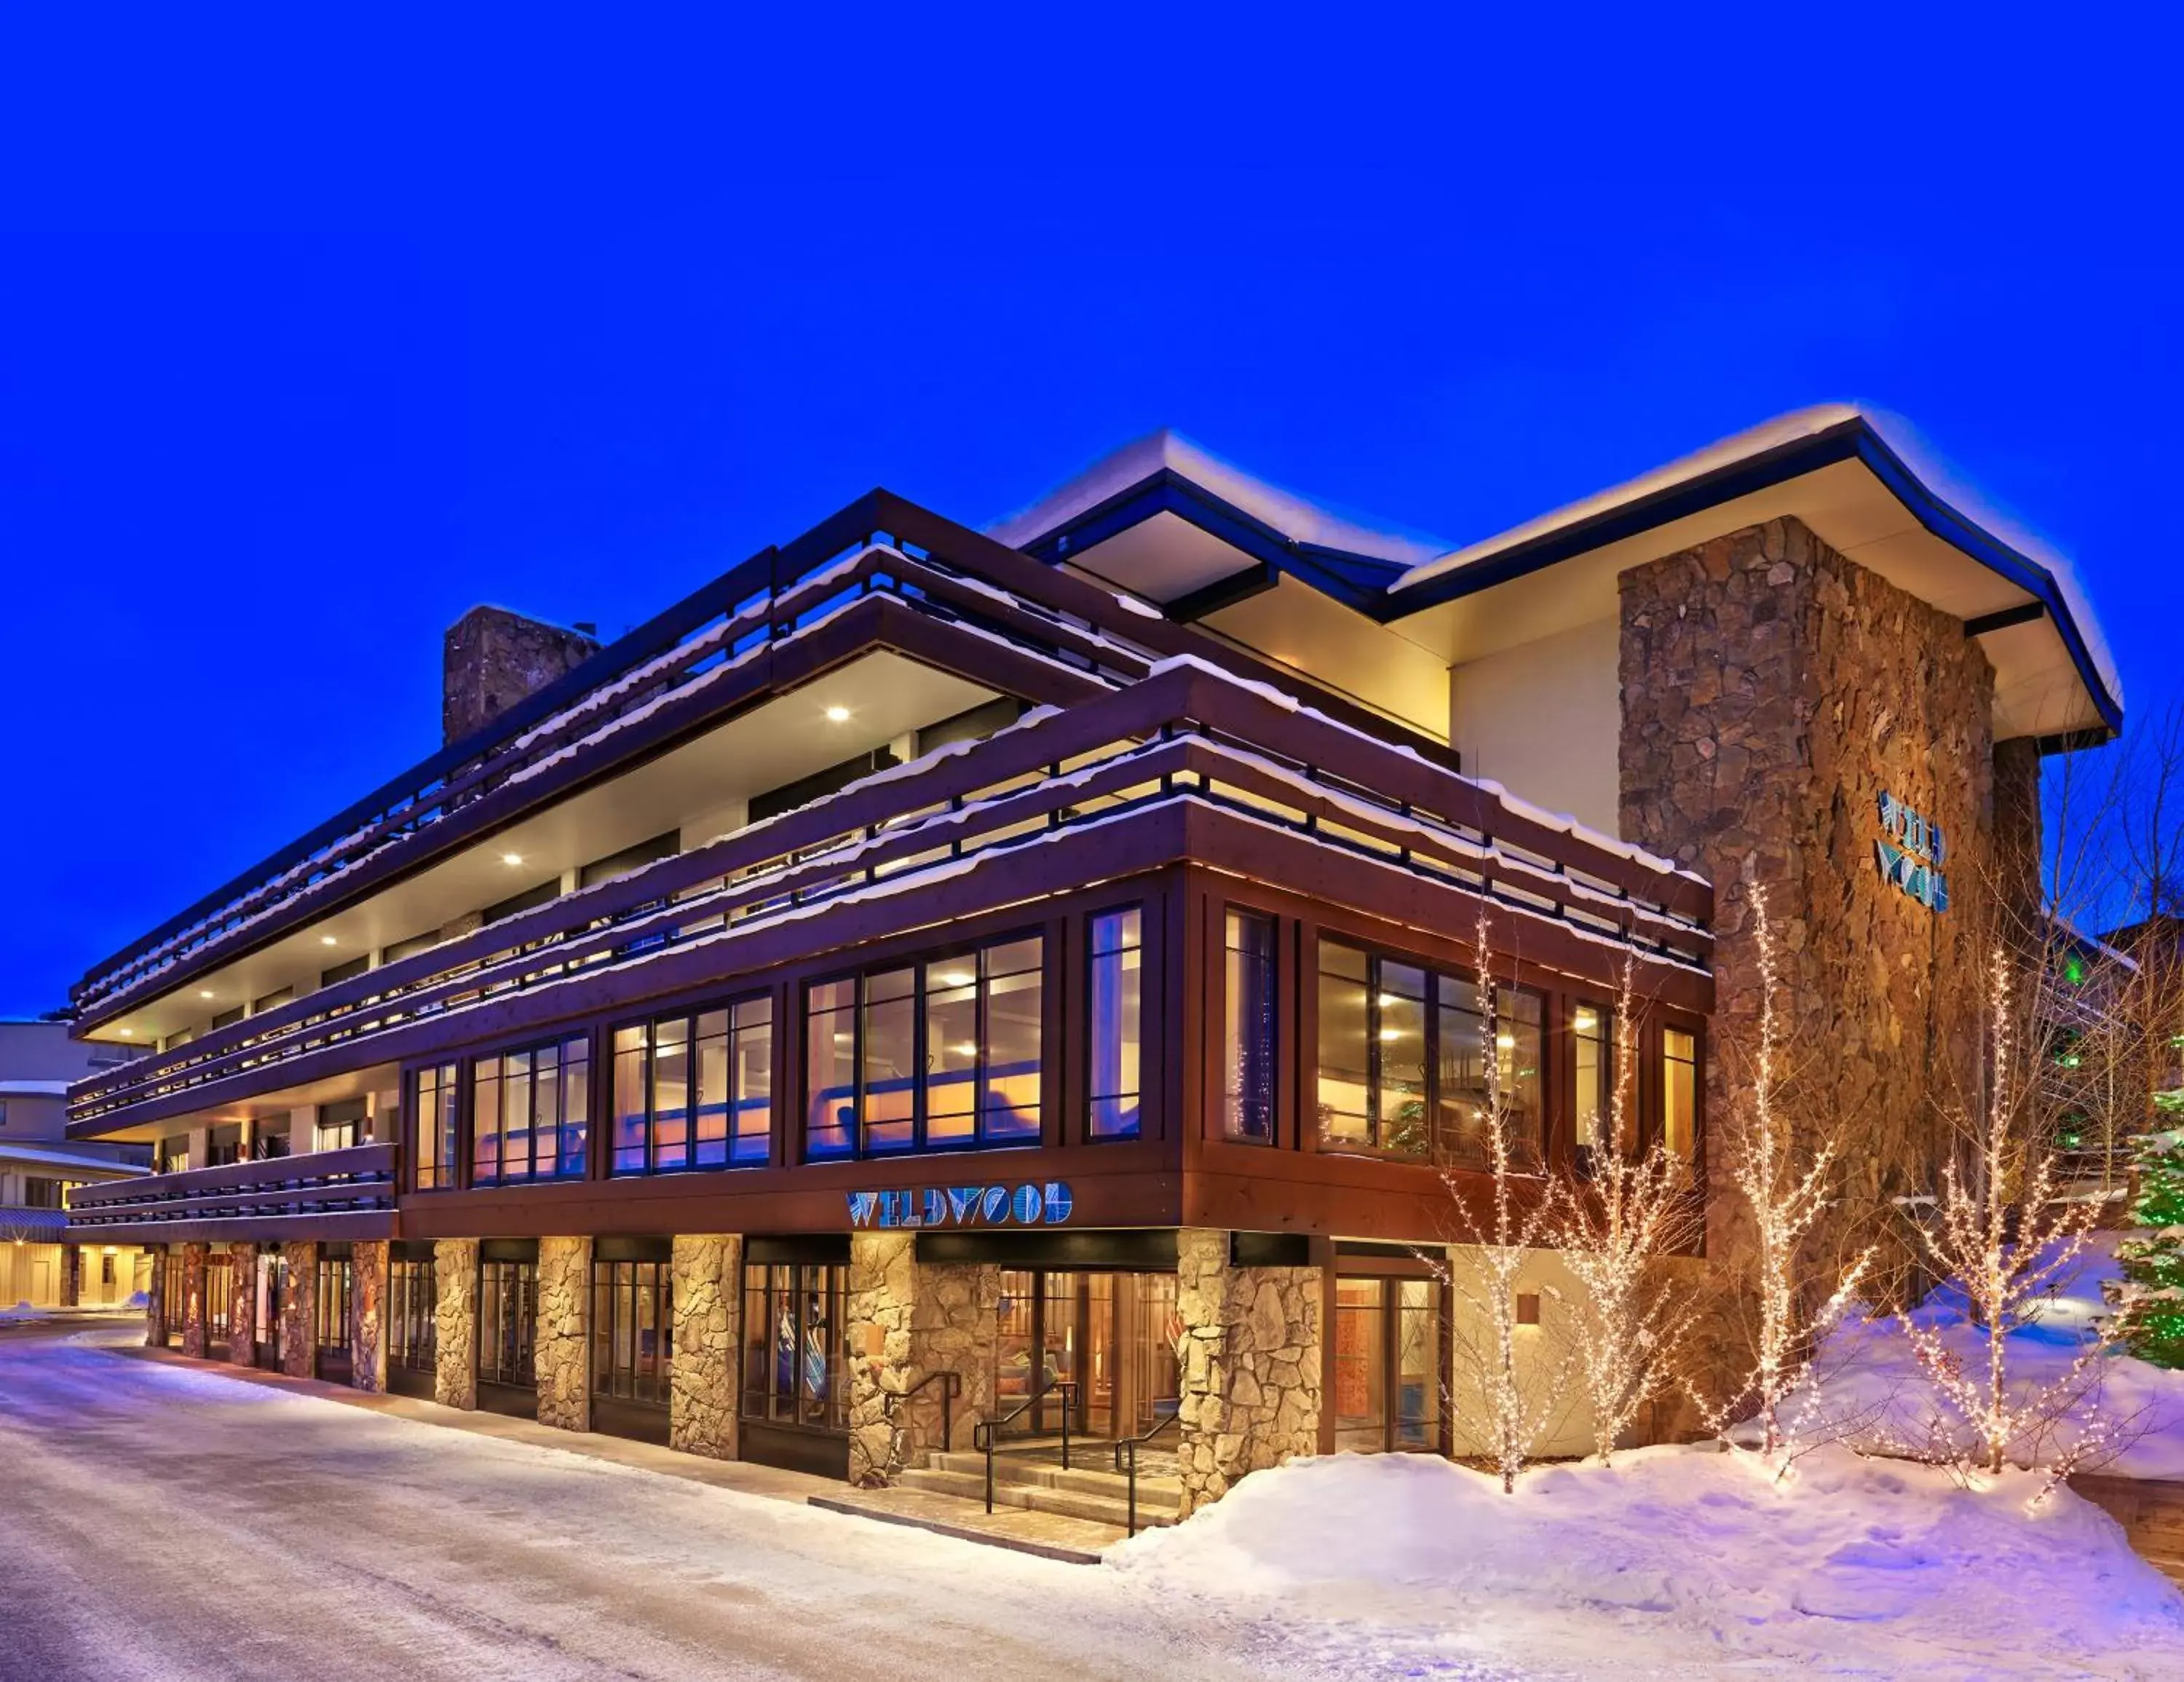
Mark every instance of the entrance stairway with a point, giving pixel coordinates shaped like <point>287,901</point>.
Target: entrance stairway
<point>1073,1515</point>
<point>1032,1477</point>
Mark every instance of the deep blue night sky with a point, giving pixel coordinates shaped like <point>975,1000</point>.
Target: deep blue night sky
<point>316,335</point>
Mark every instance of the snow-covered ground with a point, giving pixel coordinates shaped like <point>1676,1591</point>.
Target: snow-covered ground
<point>1872,1393</point>
<point>191,1527</point>
<point>1680,1561</point>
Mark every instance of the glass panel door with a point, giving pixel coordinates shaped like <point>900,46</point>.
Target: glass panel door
<point>631,1322</point>
<point>508,1323</point>
<point>1155,1377</point>
<point>412,1303</point>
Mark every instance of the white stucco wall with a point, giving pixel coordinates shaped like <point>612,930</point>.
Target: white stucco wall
<point>1544,719</point>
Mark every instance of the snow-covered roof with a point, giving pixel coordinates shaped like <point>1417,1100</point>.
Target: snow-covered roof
<point>1299,519</point>
<point>51,1156</point>
<point>33,1089</point>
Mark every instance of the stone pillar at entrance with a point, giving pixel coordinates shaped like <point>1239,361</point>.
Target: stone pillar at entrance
<point>367,1316</point>
<point>71,1275</point>
<point>155,1300</point>
<point>194,1317</point>
<point>954,1327</point>
<point>1251,1365</point>
<point>455,1327</point>
<point>299,1339</point>
<point>708,1331</point>
<point>562,1354</point>
<point>242,1315</point>
<point>883,1291</point>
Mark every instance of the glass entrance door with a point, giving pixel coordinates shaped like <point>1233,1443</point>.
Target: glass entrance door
<point>412,1325</point>
<point>331,1310</point>
<point>1108,1333</point>
<point>1390,1356</point>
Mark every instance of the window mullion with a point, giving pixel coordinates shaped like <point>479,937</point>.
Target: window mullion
<point>1374,1131</point>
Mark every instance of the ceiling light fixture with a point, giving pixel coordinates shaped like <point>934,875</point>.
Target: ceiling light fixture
<point>955,978</point>
<point>128,1033</point>
<point>205,992</point>
<point>327,940</point>
<point>838,715</point>
<point>511,860</point>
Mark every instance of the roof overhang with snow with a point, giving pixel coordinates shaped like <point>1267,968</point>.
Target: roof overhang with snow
<point>1168,522</point>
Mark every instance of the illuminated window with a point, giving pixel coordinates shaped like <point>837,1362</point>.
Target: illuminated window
<point>433,1102</point>
<point>695,1091</point>
<point>530,1113</point>
<point>1592,1073</point>
<point>1116,1040</point>
<point>942,1054</point>
<point>1680,1085</point>
<point>1247,1062</point>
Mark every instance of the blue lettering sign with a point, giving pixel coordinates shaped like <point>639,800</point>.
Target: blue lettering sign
<point>963,1205</point>
<point>1910,853</point>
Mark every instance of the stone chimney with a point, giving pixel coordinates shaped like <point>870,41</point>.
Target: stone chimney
<point>490,659</point>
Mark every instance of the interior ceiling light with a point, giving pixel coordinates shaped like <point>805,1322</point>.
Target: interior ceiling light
<point>838,715</point>
<point>955,978</point>
<point>128,1033</point>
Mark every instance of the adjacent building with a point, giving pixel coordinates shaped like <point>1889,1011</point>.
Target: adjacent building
<point>40,1170</point>
<point>928,982</point>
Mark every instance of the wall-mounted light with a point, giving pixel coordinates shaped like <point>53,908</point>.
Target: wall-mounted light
<point>838,715</point>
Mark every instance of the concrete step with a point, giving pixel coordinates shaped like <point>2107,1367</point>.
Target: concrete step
<point>1094,1474</point>
<point>1051,1535</point>
<point>970,1487</point>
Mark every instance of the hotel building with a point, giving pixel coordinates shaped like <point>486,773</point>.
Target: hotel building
<point>930,987</point>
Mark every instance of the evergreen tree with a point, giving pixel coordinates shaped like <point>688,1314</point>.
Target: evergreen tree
<point>2150,1303</point>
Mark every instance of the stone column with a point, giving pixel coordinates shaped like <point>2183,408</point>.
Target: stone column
<point>367,1316</point>
<point>454,1325</point>
<point>299,1345</point>
<point>1773,690</point>
<point>155,1300</point>
<point>71,1276</point>
<point>955,1327</point>
<point>1251,1365</point>
<point>243,1316</point>
<point>703,1289</point>
<point>193,1303</point>
<point>2016,838</point>
<point>564,1350</point>
<point>882,1301</point>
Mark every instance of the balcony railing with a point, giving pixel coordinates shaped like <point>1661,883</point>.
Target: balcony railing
<point>1188,737</point>
<point>347,1194</point>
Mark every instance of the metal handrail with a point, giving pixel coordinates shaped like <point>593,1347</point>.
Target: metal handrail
<point>1134,1443</point>
<point>951,1386</point>
<point>984,1433</point>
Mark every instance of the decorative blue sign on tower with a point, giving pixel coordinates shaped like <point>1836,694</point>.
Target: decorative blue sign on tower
<point>1910,852</point>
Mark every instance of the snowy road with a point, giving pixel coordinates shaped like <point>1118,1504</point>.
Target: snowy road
<point>168,1523</point>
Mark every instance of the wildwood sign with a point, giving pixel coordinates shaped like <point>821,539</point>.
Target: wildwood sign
<point>964,1206</point>
<point>1910,852</point>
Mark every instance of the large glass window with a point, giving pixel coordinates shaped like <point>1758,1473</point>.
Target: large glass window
<point>931,1056</point>
<point>695,1091</point>
<point>412,1318</point>
<point>795,1365</point>
<point>1592,1072</point>
<point>1680,1086</point>
<point>1116,1040</point>
<point>432,1101</point>
<point>530,1112</point>
<point>632,1325</point>
<point>1402,1058</point>
<point>508,1323</point>
<point>1247,1067</point>
<point>1389,1365</point>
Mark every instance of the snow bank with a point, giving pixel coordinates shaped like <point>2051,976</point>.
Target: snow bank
<point>1677,1557</point>
<point>1872,1393</point>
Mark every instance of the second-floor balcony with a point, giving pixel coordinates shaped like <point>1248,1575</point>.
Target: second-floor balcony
<point>327,1194</point>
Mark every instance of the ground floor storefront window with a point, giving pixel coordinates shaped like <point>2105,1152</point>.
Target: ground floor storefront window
<point>795,1380</point>
<point>508,1330</point>
<point>632,1353</point>
<point>174,1296</point>
<point>330,1311</point>
<point>218,1301</point>
<point>272,1291</point>
<point>413,1299</point>
<point>1390,1355</point>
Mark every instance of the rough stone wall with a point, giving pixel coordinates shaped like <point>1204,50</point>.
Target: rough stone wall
<point>564,1356</point>
<point>367,1316</point>
<point>703,1271</point>
<point>299,1316</point>
<point>490,659</point>
<point>155,1300</point>
<point>954,1327</point>
<point>2017,834</point>
<point>454,1322</point>
<point>881,1304</point>
<point>71,1275</point>
<point>1251,1365</point>
<point>1772,689</point>
<point>194,1317</point>
<point>242,1314</point>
